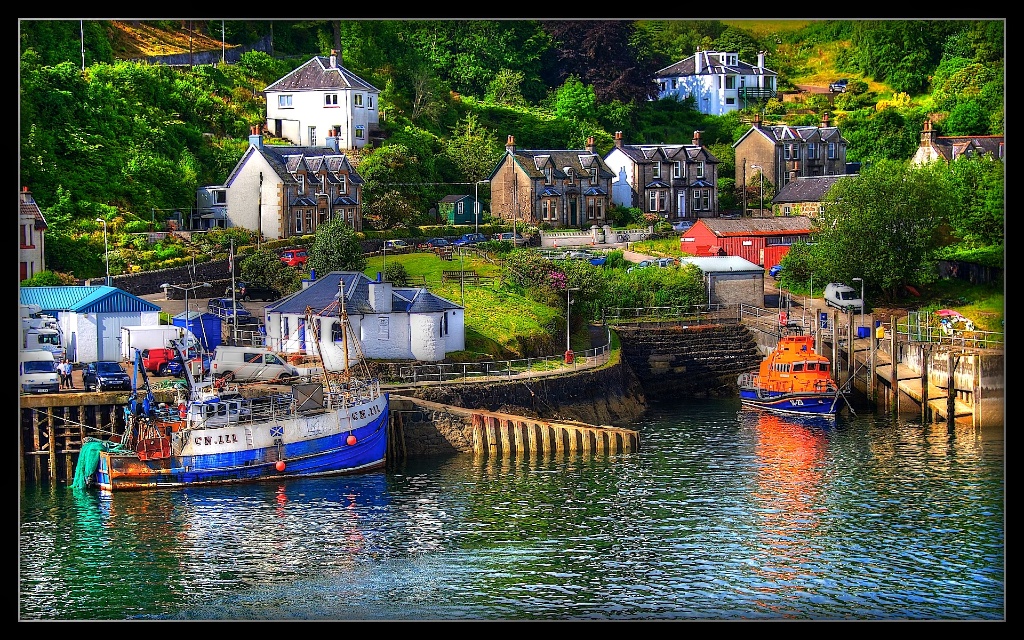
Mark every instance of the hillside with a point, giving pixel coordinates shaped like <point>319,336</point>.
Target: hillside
<point>139,39</point>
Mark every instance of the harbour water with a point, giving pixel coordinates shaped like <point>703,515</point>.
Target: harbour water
<point>724,514</point>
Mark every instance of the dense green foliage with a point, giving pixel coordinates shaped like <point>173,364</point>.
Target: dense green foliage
<point>130,142</point>
<point>335,248</point>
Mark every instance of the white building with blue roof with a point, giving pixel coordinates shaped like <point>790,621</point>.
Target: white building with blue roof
<point>392,323</point>
<point>91,318</point>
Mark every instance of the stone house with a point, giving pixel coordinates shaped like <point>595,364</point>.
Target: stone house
<point>31,236</point>
<point>948,148</point>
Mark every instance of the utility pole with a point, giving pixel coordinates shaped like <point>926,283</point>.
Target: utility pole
<point>81,29</point>
<point>234,309</point>
<point>223,50</point>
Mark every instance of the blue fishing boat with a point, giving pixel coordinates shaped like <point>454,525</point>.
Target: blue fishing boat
<point>793,380</point>
<point>337,425</point>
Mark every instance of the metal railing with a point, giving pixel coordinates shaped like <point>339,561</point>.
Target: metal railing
<point>688,315</point>
<point>500,369</point>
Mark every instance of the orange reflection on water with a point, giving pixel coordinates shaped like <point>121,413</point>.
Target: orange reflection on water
<point>787,502</point>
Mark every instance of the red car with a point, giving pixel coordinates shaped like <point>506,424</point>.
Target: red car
<point>294,258</point>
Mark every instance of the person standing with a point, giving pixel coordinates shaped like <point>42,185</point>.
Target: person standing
<point>68,369</point>
<point>62,371</point>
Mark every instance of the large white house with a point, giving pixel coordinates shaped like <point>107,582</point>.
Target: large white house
<point>719,81</point>
<point>391,322</point>
<point>32,227</point>
<point>319,96</point>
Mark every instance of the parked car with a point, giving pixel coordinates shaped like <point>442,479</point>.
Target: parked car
<point>433,243</point>
<point>247,292</point>
<point>839,86</point>
<point>158,361</point>
<point>469,239</point>
<point>105,375</point>
<point>643,264</point>
<point>397,246</point>
<point>248,364</point>
<point>775,271</point>
<point>842,296</point>
<point>294,258</point>
<point>223,308</point>
<point>515,238</point>
<point>681,225</point>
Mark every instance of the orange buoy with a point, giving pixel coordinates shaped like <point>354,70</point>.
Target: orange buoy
<point>350,440</point>
<point>280,465</point>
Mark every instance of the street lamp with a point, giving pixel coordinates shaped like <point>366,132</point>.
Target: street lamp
<point>568,346</point>
<point>202,285</point>
<point>861,297</point>
<point>760,202</point>
<point>106,252</point>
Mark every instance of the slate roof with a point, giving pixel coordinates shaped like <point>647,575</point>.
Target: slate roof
<point>641,153</point>
<point>807,189</point>
<point>320,297</point>
<point>951,147</point>
<point>80,299</point>
<point>533,162</point>
<point>783,133</point>
<point>710,66</point>
<point>318,75</point>
<point>776,225</point>
<point>29,208</point>
<point>285,159</point>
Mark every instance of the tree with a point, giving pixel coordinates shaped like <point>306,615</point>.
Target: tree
<point>389,210</point>
<point>882,226</point>
<point>263,268</point>
<point>575,101</point>
<point>966,119</point>
<point>978,185</point>
<point>506,88</point>
<point>473,148</point>
<point>336,248</point>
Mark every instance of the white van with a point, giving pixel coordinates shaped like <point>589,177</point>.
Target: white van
<point>250,364</point>
<point>37,371</point>
<point>842,297</point>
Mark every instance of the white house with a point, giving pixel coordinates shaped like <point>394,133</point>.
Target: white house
<point>284,190</point>
<point>404,323</point>
<point>32,227</point>
<point>319,96</point>
<point>719,81</point>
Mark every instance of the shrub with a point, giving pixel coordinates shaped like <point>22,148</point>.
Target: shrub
<point>396,273</point>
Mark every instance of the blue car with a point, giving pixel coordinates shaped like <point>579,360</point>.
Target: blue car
<point>470,239</point>
<point>775,270</point>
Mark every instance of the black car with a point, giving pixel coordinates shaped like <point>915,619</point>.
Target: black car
<point>105,376</point>
<point>247,292</point>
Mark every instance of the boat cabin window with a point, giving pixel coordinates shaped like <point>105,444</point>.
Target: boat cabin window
<point>822,366</point>
<point>812,366</point>
<point>798,366</point>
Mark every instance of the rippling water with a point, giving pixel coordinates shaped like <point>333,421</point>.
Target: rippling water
<point>724,514</point>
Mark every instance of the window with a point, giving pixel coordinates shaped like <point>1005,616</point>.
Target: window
<point>331,100</point>
<point>547,175</point>
<point>653,204</point>
<point>298,221</point>
<point>702,199</point>
<point>357,100</point>
<point>284,101</point>
<point>661,86</point>
<point>700,169</point>
<point>309,220</point>
<point>220,196</point>
<point>369,102</point>
<point>301,179</point>
<point>444,323</point>
<point>821,209</point>
<point>796,152</point>
<point>458,208</point>
<point>600,208</point>
<point>831,151</point>
<point>312,136</point>
<point>785,210</point>
<point>786,151</point>
<point>656,170</point>
<point>544,209</point>
<point>359,132</point>
<point>342,183</point>
<point>677,169</point>
<point>323,183</point>
<point>812,151</point>
<point>591,208</point>
<point>593,175</point>
<point>730,82</point>
<point>730,101</point>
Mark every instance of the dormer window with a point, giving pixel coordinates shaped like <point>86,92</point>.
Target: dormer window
<point>342,183</point>
<point>323,183</point>
<point>656,170</point>
<point>593,175</point>
<point>302,183</point>
<point>677,169</point>
<point>547,175</point>
<point>700,169</point>
<point>331,100</point>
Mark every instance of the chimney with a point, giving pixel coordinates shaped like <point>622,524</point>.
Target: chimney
<point>697,61</point>
<point>25,195</point>
<point>510,145</point>
<point>334,59</point>
<point>380,296</point>
<point>824,120</point>
<point>928,135</point>
<point>760,60</point>
<point>591,147</point>
<point>255,138</point>
<point>696,138</point>
<point>618,139</point>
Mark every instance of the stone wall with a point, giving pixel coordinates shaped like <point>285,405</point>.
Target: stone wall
<point>146,282</point>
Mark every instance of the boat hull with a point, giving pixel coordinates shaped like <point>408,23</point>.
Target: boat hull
<point>792,404</point>
<point>336,442</point>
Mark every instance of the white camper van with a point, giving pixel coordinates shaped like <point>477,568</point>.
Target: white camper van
<point>40,331</point>
<point>37,371</point>
<point>250,364</point>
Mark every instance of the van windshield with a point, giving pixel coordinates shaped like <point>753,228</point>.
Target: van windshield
<point>39,366</point>
<point>847,295</point>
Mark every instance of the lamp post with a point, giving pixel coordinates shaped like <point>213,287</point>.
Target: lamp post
<point>201,285</point>
<point>568,346</point>
<point>760,201</point>
<point>861,297</point>
<point>106,252</point>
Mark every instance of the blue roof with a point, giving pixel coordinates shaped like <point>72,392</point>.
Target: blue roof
<point>320,296</point>
<point>80,299</point>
